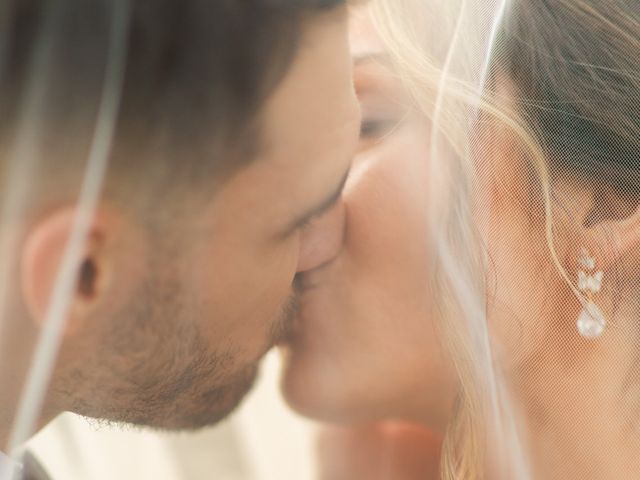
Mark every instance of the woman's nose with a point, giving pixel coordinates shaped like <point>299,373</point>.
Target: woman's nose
<point>322,239</point>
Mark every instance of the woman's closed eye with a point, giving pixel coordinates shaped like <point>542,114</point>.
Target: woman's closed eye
<point>375,128</point>
<point>383,108</point>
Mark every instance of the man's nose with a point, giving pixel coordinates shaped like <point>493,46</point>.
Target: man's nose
<point>322,240</point>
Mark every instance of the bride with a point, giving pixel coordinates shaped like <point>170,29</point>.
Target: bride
<point>482,320</point>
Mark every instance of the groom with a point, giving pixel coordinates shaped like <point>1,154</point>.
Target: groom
<point>236,128</point>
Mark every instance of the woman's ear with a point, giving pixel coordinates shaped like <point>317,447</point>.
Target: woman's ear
<point>42,254</point>
<point>616,238</point>
<point>608,222</point>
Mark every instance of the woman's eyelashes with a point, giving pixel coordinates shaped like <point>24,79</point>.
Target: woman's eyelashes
<point>375,128</point>
<point>382,113</point>
<point>383,104</point>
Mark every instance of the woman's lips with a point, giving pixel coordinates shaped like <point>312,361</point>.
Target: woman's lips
<point>316,300</point>
<point>312,306</point>
<point>308,283</point>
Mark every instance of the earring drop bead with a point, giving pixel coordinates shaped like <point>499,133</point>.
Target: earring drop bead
<point>591,322</point>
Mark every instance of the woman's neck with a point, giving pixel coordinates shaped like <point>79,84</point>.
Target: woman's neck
<point>583,405</point>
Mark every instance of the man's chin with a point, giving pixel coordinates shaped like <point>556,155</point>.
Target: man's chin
<point>192,409</point>
<point>216,404</point>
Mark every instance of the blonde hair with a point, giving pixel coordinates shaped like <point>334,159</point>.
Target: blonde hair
<point>556,54</point>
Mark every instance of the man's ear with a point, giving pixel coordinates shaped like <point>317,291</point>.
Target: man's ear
<point>42,254</point>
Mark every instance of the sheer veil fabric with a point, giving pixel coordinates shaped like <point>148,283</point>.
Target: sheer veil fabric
<point>535,110</point>
<point>39,108</point>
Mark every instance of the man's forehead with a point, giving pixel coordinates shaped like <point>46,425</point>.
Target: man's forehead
<point>315,99</point>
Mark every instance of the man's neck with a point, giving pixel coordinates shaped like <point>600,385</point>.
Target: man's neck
<point>4,439</point>
<point>5,431</point>
<point>9,467</point>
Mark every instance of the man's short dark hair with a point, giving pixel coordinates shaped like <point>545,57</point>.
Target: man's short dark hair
<point>196,70</point>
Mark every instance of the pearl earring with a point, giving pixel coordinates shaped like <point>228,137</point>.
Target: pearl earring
<point>591,322</point>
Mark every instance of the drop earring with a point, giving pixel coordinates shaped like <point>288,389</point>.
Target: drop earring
<point>591,322</point>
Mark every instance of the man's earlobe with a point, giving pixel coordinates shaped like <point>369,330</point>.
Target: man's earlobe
<point>42,254</point>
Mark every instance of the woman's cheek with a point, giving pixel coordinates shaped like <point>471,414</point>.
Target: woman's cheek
<point>386,200</point>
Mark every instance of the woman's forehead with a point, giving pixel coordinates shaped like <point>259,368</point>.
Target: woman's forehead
<point>363,37</point>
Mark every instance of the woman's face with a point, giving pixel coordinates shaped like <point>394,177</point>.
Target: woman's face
<point>366,346</point>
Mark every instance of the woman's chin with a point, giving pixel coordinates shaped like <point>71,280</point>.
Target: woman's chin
<point>331,361</point>
<point>315,390</point>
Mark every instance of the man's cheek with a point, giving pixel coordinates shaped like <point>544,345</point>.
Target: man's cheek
<point>246,299</point>
<point>276,276</point>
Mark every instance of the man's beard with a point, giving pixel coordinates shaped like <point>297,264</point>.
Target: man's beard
<point>172,381</point>
<point>282,329</point>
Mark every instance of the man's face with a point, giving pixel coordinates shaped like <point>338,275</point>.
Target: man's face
<point>218,284</point>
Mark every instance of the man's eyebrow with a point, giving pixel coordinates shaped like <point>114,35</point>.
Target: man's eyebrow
<point>323,206</point>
